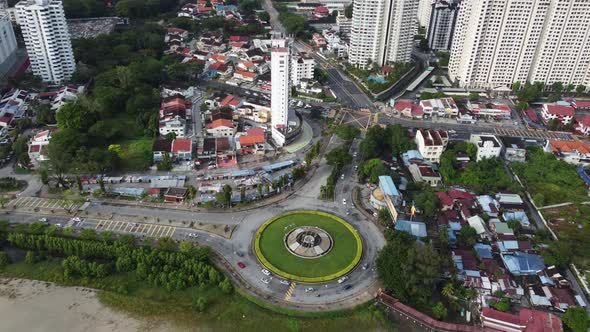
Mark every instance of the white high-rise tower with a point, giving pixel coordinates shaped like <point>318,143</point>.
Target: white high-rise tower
<point>382,31</point>
<point>280,63</point>
<point>46,36</point>
<point>499,42</point>
<point>8,45</point>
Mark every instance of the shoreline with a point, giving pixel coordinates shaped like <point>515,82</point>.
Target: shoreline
<point>32,305</point>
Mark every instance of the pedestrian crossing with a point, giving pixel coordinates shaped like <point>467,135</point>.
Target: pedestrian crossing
<point>151,230</point>
<point>43,203</point>
<point>289,292</point>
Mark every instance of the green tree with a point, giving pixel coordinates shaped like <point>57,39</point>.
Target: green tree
<point>106,236</point>
<point>88,234</point>
<point>166,244</point>
<point>347,132</point>
<point>200,304</point>
<point>186,247</point>
<point>560,253</point>
<point>4,259</point>
<point>226,286</point>
<point>224,197</point>
<point>516,86</point>
<point>580,89</point>
<point>409,269</point>
<point>264,16</point>
<point>348,11</point>
<point>474,96</point>
<point>427,202</point>
<point>293,23</point>
<point>372,169</point>
<point>338,156</point>
<point>75,115</point>
<point>166,163</point>
<point>576,319</point>
<point>439,311</point>
<point>467,236</point>
<point>384,217</point>
<point>30,258</point>
<point>514,225</point>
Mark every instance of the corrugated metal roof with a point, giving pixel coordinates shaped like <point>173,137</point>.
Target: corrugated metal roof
<point>387,186</point>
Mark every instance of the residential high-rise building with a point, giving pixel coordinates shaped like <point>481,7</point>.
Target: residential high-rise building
<point>280,63</point>
<point>498,42</point>
<point>382,31</point>
<point>424,12</point>
<point>302,66</point>
<point>47,40</point>
<point>443,16</point>
<point>8,45</point>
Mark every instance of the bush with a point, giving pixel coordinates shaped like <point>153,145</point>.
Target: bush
<point>30,257</point>
<point>4,259</point>
<point>200,304</point>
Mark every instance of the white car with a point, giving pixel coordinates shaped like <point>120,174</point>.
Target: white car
<point>343,279</point>
<point>344,201</point>
<point>309,289</point>
<point>76,219</point>
<point>265,272</point>
<point>58,225</point>
<point>342,177</point>
<point>285,282</point>
<point>265,280</point>
<point>42,219</point>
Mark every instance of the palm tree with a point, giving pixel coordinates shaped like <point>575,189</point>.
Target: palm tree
<point>448,290</point>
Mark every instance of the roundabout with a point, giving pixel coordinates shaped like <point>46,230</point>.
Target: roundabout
<point>308,246</point>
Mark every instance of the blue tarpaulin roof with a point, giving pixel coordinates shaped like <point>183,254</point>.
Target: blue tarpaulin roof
<point>584,175</point>
<point>418,229</point>
<point>517,215</point>
<point>483,250</point>
<point>277,166</point>
<point>520,263</point>
<point>242,172</point>
<point>387,186</point>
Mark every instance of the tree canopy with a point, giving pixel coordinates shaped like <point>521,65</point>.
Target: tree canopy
<point>409,269</point>
<point>347,132</point>
<point>576,319</point>
<point>384,141</point>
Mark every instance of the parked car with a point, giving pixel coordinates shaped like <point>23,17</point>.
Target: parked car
<point>241,265</point>
<point>309,289</point>
<point>285,282</point>
<point>344,201</point>
<point>265,272</point>
<point>43,220</point>
<point>343,279</point>
<point>265,280</point>
<point>347,287</point>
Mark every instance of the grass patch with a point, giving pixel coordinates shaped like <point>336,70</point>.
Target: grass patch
<point>135,154</point>
<point>223,312</point>
<point>342,254</point>
<point>572,225</point>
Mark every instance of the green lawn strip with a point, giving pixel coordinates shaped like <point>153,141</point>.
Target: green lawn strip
<point>223,312</point>
<point>343,257</point>
<point>136,154</point>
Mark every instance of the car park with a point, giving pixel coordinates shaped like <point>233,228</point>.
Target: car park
<point>43,220</point>
<point>347,287</point>
<point>265,272</point>
<point>343,279</point>
<point>309,289</point>
<point>285,282</point>
<point>265,280</point>
<point>241,265</point>
<point>76,219</point>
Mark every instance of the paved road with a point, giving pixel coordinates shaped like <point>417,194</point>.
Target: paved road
<point>239,248</point>
<point>347,92</point>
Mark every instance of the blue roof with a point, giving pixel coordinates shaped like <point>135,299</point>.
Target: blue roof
<point>483,250</point>
<point>387,186</point>
<point>521,263</point>
<point>517,215</point>
<point>418,229</point>
<point>411,154</point>
<point>584,175</point>
<point>279,165</point>
<point>452,237</point>
<point>454,226</point>
<point>242,172</point>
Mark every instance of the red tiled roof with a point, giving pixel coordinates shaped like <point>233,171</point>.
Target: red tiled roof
<point>460,194</point>
<point>585,121</point>
<point>235,102</point>
<point>176,30</point>
<point>567,146</point>
<point>560,110</point>
<point>35,148</point>
<point>581,104</point>
<point>402,105</point>
<point>255,132</point>
<point>501,316</point>
<point>226,100</point>
<point>444,199</point>
<point>245,73</point>
<point>182,145</point>
<point>221,122</point>
<point>531,114</point>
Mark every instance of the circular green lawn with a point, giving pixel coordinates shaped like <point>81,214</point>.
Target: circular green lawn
<point>270,247</point>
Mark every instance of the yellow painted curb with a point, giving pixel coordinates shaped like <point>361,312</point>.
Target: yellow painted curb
<point>277,271</point>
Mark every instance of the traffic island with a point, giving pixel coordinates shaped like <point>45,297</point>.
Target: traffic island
<point>308,246</point>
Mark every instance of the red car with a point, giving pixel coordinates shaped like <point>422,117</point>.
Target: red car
<point>241,265</point>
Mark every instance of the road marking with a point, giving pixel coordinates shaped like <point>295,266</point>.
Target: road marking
<point>81,223</point>
<point>114,224</point>
<point>143,226</point>
<point>173,231</point>
<point>129,225</point>
<point>289,292</point>
<point>97,224</point>
<point>169,229</point>
<point>150,233</point>
<point>161,232</point>
<point>148,230</point>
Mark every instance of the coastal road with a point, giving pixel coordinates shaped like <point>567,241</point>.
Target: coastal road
<point>125,219</point>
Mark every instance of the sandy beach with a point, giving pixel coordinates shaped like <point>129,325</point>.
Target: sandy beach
<point>38,306</point>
